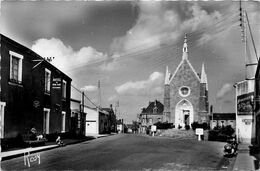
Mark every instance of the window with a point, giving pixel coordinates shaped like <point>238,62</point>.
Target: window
<point>47,82</point>
<point>64,84</point>
<point>15,67</point>
<point>184,91</point>
<point>63,120</point>
<point>46,120</point>
<point>150,120</point>
<point>79,120</point>
<point>155,110</point>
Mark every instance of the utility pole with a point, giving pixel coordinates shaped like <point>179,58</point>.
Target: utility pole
<point>82,113</point>
<point>99,94</point>
<point>248,63</point>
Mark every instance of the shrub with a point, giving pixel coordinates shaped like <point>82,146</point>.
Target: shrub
<point>179,127</point>
<point>221,133</point>
<point>203,125</point>
<point>187,127</point>
<point>164,125</point>
<point>194,125</point>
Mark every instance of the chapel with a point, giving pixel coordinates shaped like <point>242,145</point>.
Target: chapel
<point>186,93</point>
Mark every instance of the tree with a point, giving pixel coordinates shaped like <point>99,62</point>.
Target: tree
<point>135,126</point>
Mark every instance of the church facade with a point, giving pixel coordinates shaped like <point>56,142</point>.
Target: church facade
<point>186,93</point>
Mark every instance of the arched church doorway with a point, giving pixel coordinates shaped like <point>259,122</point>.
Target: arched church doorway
<point>183,113</point>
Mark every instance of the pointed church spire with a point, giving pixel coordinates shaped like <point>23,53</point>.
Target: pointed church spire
<point>167,76</point>
<point>203,77</point>
<point>185,48</point>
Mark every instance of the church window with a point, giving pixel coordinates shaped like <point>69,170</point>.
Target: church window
<point>155,110</point>
<point>184,91</point>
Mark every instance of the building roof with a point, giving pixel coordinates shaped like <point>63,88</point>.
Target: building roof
<point>107,109</point>
<point>223,116</point>
<point>154,108</point>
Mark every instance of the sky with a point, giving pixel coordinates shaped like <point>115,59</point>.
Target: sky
<point>127,45</point>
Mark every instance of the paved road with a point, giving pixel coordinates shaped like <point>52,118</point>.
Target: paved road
<point>130,152</point>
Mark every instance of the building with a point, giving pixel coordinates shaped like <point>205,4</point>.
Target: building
<point>111,118</point>
<point>245,124</point>
<point>97,121</point>
<point>223,119</point>
<point>186,93</point>
<point>150,115</point>
<point>257,104</point>
<point>33,93</point>
<point>78,118</point>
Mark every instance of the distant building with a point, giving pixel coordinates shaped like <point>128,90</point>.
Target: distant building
<point>150,115</point>
<point>78,118</point>
<point>120,126</point>
<point>33,93</point>
<point>111,118</point>
<point>186,93</point>
<point>223,119</point>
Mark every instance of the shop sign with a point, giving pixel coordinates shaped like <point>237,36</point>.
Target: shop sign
<point>247,121</point>
<point>56,83</point>
<point>245,104</point>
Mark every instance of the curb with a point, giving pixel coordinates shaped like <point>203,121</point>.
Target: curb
<point>39,150</point>
<point>31,152</point>
<point>4,158</point>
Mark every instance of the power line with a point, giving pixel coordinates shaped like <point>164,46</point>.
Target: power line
<point>84,96</point>
<point>136,53</point>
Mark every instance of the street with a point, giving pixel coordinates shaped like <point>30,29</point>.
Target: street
<point>130,152</point>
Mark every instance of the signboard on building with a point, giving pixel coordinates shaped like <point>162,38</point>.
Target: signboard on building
<point>56,83</point>
<point>245,104</point>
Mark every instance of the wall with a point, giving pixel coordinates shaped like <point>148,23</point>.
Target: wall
<point>25,102</point>
<point>245,117</point>
<point>92,116</point>
<point>185,77</point>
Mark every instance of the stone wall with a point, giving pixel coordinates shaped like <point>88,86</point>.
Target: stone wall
<point>185,77</point>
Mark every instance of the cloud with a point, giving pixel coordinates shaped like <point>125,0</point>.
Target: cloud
<point>153,85</point>
<point>225,89</point>
<point>112,98</point>
<point>66,59</point>
<point>157,24</point>
<point>89,88</point>
<point>110,66</point>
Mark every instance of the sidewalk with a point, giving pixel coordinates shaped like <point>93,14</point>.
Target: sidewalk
<point>245,159</point>
<point>48,146</point>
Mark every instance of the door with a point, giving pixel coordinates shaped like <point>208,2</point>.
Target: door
<point>2,114</point>
<point>46,116</point>
<point>91,127</point>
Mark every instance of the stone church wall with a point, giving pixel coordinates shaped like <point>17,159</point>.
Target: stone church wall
<point>185,77</point>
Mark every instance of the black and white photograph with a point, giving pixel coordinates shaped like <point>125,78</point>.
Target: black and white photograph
<point>129,85</point>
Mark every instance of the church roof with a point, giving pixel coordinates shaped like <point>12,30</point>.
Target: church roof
<point>154,108</point>
<point>185,61</point>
